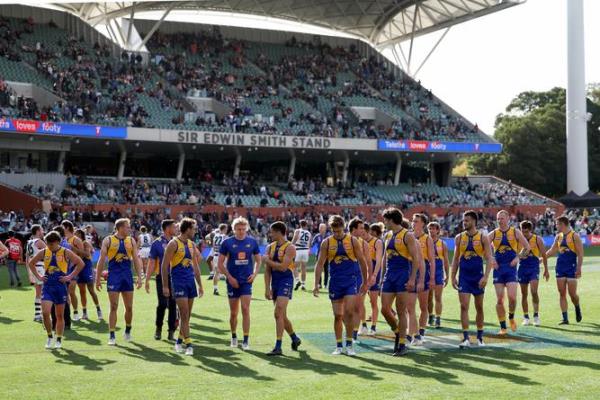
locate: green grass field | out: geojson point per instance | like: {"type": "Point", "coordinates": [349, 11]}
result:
{"type": "Point", "coordinates": [544, 362]}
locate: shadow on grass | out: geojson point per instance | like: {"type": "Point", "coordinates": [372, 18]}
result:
{"type": "Point", "coordinates": [73, 334]}
{"type": "Point", "coordinates": [8, 320]}
{"type": "Point", "coordinates": [69, 357]}
{"type": "Point", "coordinates": [226, 362]}
{"type": "Point", "coordinates": [145, 353]}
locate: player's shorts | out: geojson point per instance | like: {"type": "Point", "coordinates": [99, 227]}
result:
{"type": "Point", "coordinates": [302, 255]}
{"type": "Point", "coordinates": [86, 275]}
{"type": "Point", "coordinates": [144, 252]}
{"type": "Point", "coordinates": [505, 274]}
{"type": "Point", "coordinates": [566, 270]}
{"type": "Point", "coordinates": [184, 288]}
{"type": "Point", "coordinates": [395, 280]}
{"type": "Point", "coordinates": [340, 288]}
{"type": "Point", "coordinates": [528, 274]}
{"type": "Point", "coordinates": [211, 253]}
{"type": "Point", "coordinates": [41, 271]}
{"type": "Point", "coordinates": [283, 287]}
{"type": "Point", "coordinates": [470, 285]}
{"type": "Point", "coordinates": [439, 273]}
{"type": "Point", "coordinates": [245, 289]}
{"type": "Point", "coordinates": [119, 281]}
{"type": "Point", "coordinates": [426, 281]}
{"type": "Point", "coordinates": [56, 293]}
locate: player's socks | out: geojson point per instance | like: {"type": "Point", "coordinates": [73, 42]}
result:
{"type": "Point", "coordinates": [536, 314]}
{"type": "Point", "coordinates": [233, 335]}
{"type": "Point", "coordinates": [408, 339]}
{"type": "Point", "coordinates": [479, 334]}
{"type": "Point", "coordinates": [246, 336]}
{"type": "Point", "coordinates": [565, 317]}
{"type": "Point", "coordinates": [128, 330]}
{"type": "Point", "coordinates": [503, 324]}
{"type": "Point", "coordinates": [111, 334]}
{"type": "Point", "coordinates": [339, 344]}
{"type": "Point", "coordinates": [374, 328]}
{"type": "Point", "coordinates": [59, 339]}
{"type": "Point", "coordinates": [431, 319]}
{"type": "Point", "coordinates": [511, 315]}
{"type": "Point", "coordinates": [278, 344]}
{"type": "Point", "coordinates": [422, 332]}
{"type": "Point", "coordinates": [578, 316]}
{"type": "Point", "coordinates": [355, 334]}
{"type": "Point", "coordinates": [349, 342]}
{"type": "Point", "coordinates": [180, 340]}
{"type": "Point", "coordinates": [38, 308]}
{"type": "Point", "coordinates": [187, 342]}
{"type": "Point", "coordinates": [465, 335]}
{"type": "Point", "coordinates": [364, 324]}
{"type": "Point", "coordinates": [438, 321]}
{"type": "Point", "coordinates": [526, 316]}
{"type": "Point", "coordinates": [294, 337]}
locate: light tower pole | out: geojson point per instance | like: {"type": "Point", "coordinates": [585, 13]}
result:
{"type": "Point", "coordinates": [577, 154]}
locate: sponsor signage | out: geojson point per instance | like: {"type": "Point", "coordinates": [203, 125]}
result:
{"type": "Point", "coordinates": [423, 146]}
{"type": "Point", "coordinates": [61, 129]}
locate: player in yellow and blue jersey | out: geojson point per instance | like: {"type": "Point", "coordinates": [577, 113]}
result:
{"type": "Point", "coordinates": [471, 248]}
{"type": "Point", "coordinates": [85, 279]}
{"type": "Point", "coordinates": [416, 329]}
{"type": "Point", "coordinates": [121, 251]}
{"type": "Point", "coordinates": [509, 245]}
{"type": "Point", "coordinates": [239, 262]}
{"type": "Point", "coordinates": [569, 247]}
{"type": "Point", "coordinates": [181, 263]}
{"type": "Point", "coordinates": [346, 261]}
{"type": "Point", "coordinates": [56, 261]}
{"type": "Point", "coordinates": [400, 276]}
{"type": "Point", "coordinates": [442, 273]}
{"type": "Point", "coordinates": [529, 272]}
{"type": "Point", "coordinates": [76, 246]}
{"type": "Point", "coordinates": [375, 255]}
{"type": "Point", "coordinates": [279, 283]}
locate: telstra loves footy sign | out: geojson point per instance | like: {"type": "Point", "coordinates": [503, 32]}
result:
{"type": "Point", "coordinates": [61, 129]}
{"type": "Point", "coordinates": [423, 146]}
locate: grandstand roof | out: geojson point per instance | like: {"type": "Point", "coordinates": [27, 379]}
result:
{"type": "Point", "coordinates": [379, 22]}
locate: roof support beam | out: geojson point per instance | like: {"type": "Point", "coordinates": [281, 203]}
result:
{"type": "Point", "coordinates": [412, 36]}
{"type": "Point", "coordinates": [431, 52]}
{"type": "Point", "coordinates": [131, 16]}
{"type": "Point", "coordinates": [156, 25]}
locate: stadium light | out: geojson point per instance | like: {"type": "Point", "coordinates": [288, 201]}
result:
{"type": "Point", "coordinates": [31, 138]}
{"type": "Point", "coordinates": [107, 143]}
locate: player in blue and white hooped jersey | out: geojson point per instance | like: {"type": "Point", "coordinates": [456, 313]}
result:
{"type": "Point", "coordinates": [34, 245]}
{"type": "Point", "coordinates": [144, 242]}
{"type": "Point", "coordinates": [301, 240]}
{"type": "Point", "coordinates": [218, 237]}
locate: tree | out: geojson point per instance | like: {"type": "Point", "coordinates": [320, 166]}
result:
{"type": "Point", "coordinates": [533, 135]}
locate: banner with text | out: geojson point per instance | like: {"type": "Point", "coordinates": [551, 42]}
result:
{"type": "Point", "coordinates": [61, 129]}
{"type": "Point", "coordinates": [423, 146]}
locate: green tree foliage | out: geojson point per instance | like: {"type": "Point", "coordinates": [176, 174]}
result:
{"type": "Point", "coordinates": [533, 135]}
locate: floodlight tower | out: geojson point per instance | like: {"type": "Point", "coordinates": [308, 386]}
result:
{"type": "Point", "coordinates": [577, 153]}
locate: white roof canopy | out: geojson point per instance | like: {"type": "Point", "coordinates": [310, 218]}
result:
{"type": "Point", "coordinates": [378, 22]}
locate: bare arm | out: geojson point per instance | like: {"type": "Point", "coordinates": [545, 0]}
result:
{"type": "Point", "coordinates": [525, 248]}
{"type": "Point", "coordinates": [414, 251]}
{"type": "Point", "coordinates": [295, 237]}
{"type": "Point", "coordinates": [166, 264]}
{"type": "Point", "coordinates": [455, 263]}
{"type": "Point", "coordinates": [78, 247]}
{"type": "Point", "coordinates": [553, 249]}
{"type": "Point", "coordinates": [579, 251]}
{"type": "Point", "coordinates": [3, 250]}
{"type": "Point", "coordinates": [87, 250]}
{"type": "Point", "coordinates": [196, 266]}
{"type": "Point", "coordinates": [362, 261]}
{"type": "Point", "coordinates": [101, 262]}
{"type": "Point", "coordinates": [489, 258]}
{"type": "Point", "coordinates": [540, 244]}
{"type": "Point", "coordinates": [137, 263]}
{"type": "Point", "coordinates": [319, 266]}
{"type": "Point", "coordinates": [445, 262]}
{"type": "Point", "coordinates": [75, 260]}
{"type": "Point", "coordinates": [431, 256]}
{"type": "Point", "coordinates": [378, 257]}
{"type": "Point", "coordinates": [267, 276]}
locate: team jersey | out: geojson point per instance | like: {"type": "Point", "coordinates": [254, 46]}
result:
{"type": "Point", "coordinates": [471, 252]}
{"type": "Point", "coordinates": [422, 240]}
{"type": "Point", "coordinates": [373, 249]}
{"type": "Point", "coordinates": [438, 248]}
{"type": "Point", "coordinates": [340, 254]}
{"type": "Point", "coordinates": [181, 263]}
{"type": "Point", "coordinates": [533, 258]}
{"type": "Point", "coordinates": [505, 245]}
{"type": "Point", "coordinates": [217, 240]}
{"type": "Point", "coordinates": [157, 251]}
{"type": "Point", "coordinates": [303, 239]}
{"type": "Point", "coordinates": [567, 253]}
{"type": "Point", "coordinates": [277, 252]}
{"type": "Point", "coordinates": [318, 239]}
{"type": "Point", "coordinates": [396, 250]}
{"type": "Point", "coordinates": [120, 253]}
{"type": "Point", "coordinates": [145, 240]}
{"type": "Point", "coordinates": [32, 249]}
{"type": "Point", "coordinates": [239, 255]}
{"type": "Point", "coordinates": [55, 265]}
